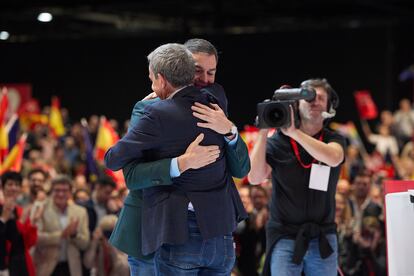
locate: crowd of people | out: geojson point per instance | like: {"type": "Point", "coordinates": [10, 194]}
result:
{"type": "Point", "coordinates": [47, 228]}
{"type": "Point", "coordinates": [57, 216]}
{"type": "Point", "coordinates": [359, 203]}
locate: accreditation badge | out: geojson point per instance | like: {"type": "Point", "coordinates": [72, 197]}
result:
{"type": "Point", "coordinates": [319, 177]}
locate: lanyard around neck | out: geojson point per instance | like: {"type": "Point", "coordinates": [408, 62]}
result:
{"type": "Point", "coordinates": [296, 150]}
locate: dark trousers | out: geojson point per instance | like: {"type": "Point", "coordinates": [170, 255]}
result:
{"type": "Point", "coordinates": [62, 269]}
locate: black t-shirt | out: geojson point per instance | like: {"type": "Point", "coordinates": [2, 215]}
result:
{"type": "Point", "coordinates": [293, 202]}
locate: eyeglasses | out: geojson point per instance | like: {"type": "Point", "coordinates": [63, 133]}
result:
{"type": "Point", "coordinates": [37, 179]}
{"type": "Point", "coordinates": [60, 190]}
{"type": "Point", "coordinates": [362, 182]}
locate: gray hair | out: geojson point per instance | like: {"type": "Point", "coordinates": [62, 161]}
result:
{"type": "Point", "coordinates": [199, 45]}
{"type": "Point", "coordinates": [174, 62]}
{"type": "Point", "coordinates": [63, 180]}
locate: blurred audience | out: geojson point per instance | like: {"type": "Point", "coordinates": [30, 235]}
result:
{"type": "Point", "coordinates": [72, 210]}
{"type": "Point", "coordinates": [250, 235]}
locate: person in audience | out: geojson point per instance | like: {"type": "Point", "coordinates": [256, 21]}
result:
{"type": "Point", "coordinates": [101, 257]}
{"type": "Point", "coordinates": [97, 206]}
{"type": "Point", "coordinates": [344, 188]}
{"type": "Point", "coordinates": [361, 200]}
{"type": "Point", "coordinates": [63, 233]}
{"type": "Point", "coordinates": [37, 182]}
{"type": "Point", "coordinates": [81, 196]}
{"type": "Point", "coordinates": [17, 231]}
{"type": "Point", "coordinates": [404, 122]}
{"type": "Point", "coordinates": [384, 142]}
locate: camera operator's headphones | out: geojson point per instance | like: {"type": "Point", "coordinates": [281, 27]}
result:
{"type": "Point", "coordinates": [333, 98]}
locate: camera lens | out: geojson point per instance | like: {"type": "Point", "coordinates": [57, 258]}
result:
{"type": "Point", "coordinates": [276, 115]}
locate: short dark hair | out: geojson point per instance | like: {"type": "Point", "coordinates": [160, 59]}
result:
{"type": "Point", "coordinates": [61, 179]}
{"type": "Point", "coordinates": [105, 181]}
{"type": "Point", "coordinates": [260, 189]}
{"type": "Point", "coordinates": [75, 194]}
{"type": "Point", "coordinates": [199, 45]}
{"type": "Point", "coordinates": [9, 175]}
{"type": "Point", "coordinates": [362, 172]}
{"type": "Point", "coordinates": [37, 170]}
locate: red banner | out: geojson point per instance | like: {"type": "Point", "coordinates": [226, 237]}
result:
{"type": "Point", "coordinates": [18, 94]}
{"type": "Point", "coordinates": [365, 105]}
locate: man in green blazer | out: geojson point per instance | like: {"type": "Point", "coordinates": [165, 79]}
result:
{"type": "Point", "coordinates": [127, 233]}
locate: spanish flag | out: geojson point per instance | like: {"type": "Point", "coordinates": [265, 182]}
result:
{"type": "Point", "coordinates": [14, 159]}
{"type": "Point", "coordinates": [30, 116]}
{"type": "Point", "coordinates": [4, 136]}
{"type": "Point", "coordinates": [105, 139]}
{"type": "Point", "coordinates": [29, 121]}
{"type": "Point", "coordinates": [55, 119]}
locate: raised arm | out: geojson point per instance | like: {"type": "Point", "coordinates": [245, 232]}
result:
{"type": "Point", "coordinates": [331, 153]}
{"type": "Point", "coordinates": [260, 169]}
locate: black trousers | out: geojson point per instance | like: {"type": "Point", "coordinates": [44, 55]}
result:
{"type": "Point", "coordinates": [62, 269]}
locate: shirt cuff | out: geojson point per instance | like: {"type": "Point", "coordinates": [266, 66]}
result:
{"type": "Point", "coordinates": [174, 171]}
{"type": "Point", "coordinates": [231, 143]}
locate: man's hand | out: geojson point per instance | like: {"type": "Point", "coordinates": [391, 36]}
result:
{"type": "Point", "coordinates": [38, 212]}
{"type": "Point", "coordinates": [291, 130]}
{"type": "Point", "coordinates": [150, 96]}
{"type": "Point", "coordinates": [213, 116]}
{"type": "Point", "coordinates": [71, 229]}
{"type": "Point", "coordinates": [197, 156]}
{"type": "Point", "coordinates": [97, 234]}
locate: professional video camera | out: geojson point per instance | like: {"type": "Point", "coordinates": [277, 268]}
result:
{"type": "Point", "coordinates": [276, 112]}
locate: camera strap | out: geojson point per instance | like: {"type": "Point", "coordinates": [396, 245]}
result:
{"type": "Point", "coordinates": [296, 150]}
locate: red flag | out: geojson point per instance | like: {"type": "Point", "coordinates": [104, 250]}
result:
{"type": "Point", "coordinates": [31, 106]}
{"type": "Point", "coordinates": [365, 105]}
{"type": "Point", "coordinates": [4, 137]}
{"type": "Point", "coordinates": [18, 93]}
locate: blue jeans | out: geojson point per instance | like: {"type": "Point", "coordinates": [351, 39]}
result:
{"type": "Point", "coordinates": [214, 256]}
{"type": "Point", "coordinates": [312, 264]}
{"type": "Point", "coordinates": [140, 267]}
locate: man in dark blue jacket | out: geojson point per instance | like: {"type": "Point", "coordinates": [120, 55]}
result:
{"type": "Point", "coordinates": [200, 201]}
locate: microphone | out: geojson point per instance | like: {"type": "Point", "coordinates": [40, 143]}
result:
{"type": "Point", "coordinates": [328, 115]}
{"type": "Point", "coordinates": [293, 94]}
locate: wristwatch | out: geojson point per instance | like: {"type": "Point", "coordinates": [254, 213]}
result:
{"type": "Point", "coordinates": [233, 131]}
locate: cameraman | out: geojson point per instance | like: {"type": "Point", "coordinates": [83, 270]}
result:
{"type": "Point", "coordinates": [301, 232]}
